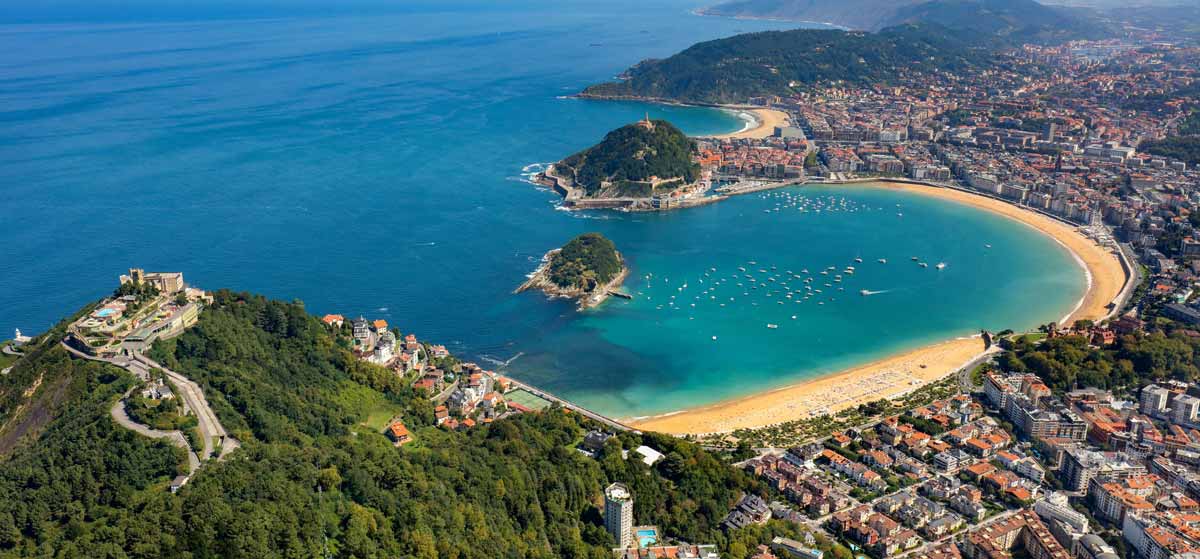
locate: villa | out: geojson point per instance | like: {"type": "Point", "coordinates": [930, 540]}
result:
{"type": "Point", "coordinates": [399, 434]}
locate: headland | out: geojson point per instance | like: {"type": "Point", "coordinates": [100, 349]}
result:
{"type": "Point", "coordinates": [897, 375]}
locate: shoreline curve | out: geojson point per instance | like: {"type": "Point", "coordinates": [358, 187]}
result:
{"type": "Point", "coordinates": [899, 374]}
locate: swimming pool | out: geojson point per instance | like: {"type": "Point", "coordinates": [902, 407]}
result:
{"type": "Point", "coordinates": [647, 536]}
{"type": "Point", "coordinates": [105, 313]}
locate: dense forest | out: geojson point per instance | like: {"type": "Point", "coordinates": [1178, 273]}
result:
{"type": "Point", "coordinates": [585, 262]}
{"type": "Point", "coordinates": [735, 69]}
{"type": "Point", "coordinates": [311, 476]}
{"type": "Point", "coordinates": [634, 153]}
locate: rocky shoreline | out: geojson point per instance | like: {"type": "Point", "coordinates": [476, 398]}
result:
{"type": "Point", "coordinates": [540, 281]}
{"type": "Point", "coordinates": [573, 198]}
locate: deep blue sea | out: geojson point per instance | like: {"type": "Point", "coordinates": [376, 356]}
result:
{"type": "Point", "coordinates": [369, 159]}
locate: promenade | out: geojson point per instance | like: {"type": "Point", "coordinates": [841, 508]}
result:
{"type": "Point", "coordinates": [567, 404]}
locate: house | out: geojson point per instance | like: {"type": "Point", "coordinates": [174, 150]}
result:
{"type": "Point", "coordinates": [178, 483]}
{"type": "Point", "coordinates": [440, 415]}
{"type": "Point", "coordinates": [398, 433]}
{"type": "Point", "coordinates": [333, 320]}
{"type": "Point", "coordinates": [593, 442]}
{"type": "Point", "coordinates": [877, 458]}
{"type": "Point", "coordinates": [750, 509]}
{"type": "Point", "coordinates": [361, 329]}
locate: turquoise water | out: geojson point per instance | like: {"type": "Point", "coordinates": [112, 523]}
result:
{"type": "Point", "coordinates": [369, 161]}
{"type": "Point", "coordinates": [657, 352]}
{"type": "Point", "coordinates": [647, 537]}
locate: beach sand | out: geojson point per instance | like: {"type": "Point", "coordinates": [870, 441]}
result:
{"type": "Point", "coordinates": [765, 122]}
{"type": "Point", "coordinates": [900, 374]}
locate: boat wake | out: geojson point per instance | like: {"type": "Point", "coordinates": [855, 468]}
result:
{"type": "Point", "coordinates": [500, 362]}
{"type": "Point", "coordinates": [866, 292]}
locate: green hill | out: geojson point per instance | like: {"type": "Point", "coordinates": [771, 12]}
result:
{"type": "Point", "coordinates": [636, 160]}
{"type": "Point", "coordinates": [311, 477]}
{"type": "Point", "coordinates": [737, 68]}
{"type": "Point", "coordinates": [585, 262]}
{"type": "Point", "coordinates": [1009, 21]}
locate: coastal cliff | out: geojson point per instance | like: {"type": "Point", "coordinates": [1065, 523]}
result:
{"type": "Point", "coordinates": [588, 268]}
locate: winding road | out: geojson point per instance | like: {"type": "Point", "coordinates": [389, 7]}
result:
{"type": "Point", "coordinates": [174, 437]}
{"type": "Point", "coordinates": [210, 428]}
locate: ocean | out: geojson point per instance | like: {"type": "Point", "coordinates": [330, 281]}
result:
{"type": "Point", "coordinates": [372, 160]}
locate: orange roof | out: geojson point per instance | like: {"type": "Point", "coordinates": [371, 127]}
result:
{"type": "Point", "coordinates": [398, 430]}
{"type": "Point", "coordinates": [981, 468]}
{"type": "Point", "coordinates": [331, 318]}
{"type": "Point", "coordinates": [380, 324]}
{"type": "Point", "coordinates": [1020, 493]}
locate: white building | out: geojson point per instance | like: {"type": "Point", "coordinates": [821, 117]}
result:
{"type": "Point", "coordinates": [1154, 399]}
{"type": "Point", "coordinates": [1184, 409]}
{"type": "Point", "coordinates": [1057, 507]}
{"type": "Point", "coordinates": [618, 514]}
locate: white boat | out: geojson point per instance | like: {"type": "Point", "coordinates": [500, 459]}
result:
{"type": "Point", "coordinates": [923, 265]}
{"type": "Point", "coordinates": [883, 260]}
{"type": "Point", "coordinates": [864, 293]}
{"type": "Point", "coordinates": [858, 259]}
{"type": "Point", "coordinates": [914, 259]}
{"type": "Point", "coordinates": [941, 265]}
{"type": "Point", "coordinates": [772, 326]}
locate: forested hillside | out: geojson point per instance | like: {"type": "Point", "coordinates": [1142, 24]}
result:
{"type": "Point", "coordinates": [631, 155]}
{"type": "Point", "coordinates": [734, 69]}
{"type": "Point", "coordinates": [585, 262]}
{"type": "Point", "coordinates": [311, 476]}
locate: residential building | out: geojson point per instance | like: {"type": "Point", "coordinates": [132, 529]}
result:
{"type": "Point", "coordinates": [618, 514]}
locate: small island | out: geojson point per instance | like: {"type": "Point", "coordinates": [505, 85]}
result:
{"type": "Point", "coordinates": [587, 268]}
{"type": "Point", "coordinates": [646, 166]}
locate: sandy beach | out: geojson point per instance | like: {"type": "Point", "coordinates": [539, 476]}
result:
{"type": "Point", "coordinates": [899, 374]}
{"type": "Point", "coordinates": [765, 121]}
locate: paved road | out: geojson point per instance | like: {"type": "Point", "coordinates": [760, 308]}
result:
{"type": "Point", "coordinates": [174, 437]}
{"type": "Point", "coordinates": [189, 392]}
{"type": "Point", "coordinates": [8, 348]}
{"type": "Point", "coordinates": [210, 427]}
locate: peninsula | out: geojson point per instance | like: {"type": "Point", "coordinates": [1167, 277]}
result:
{"type": "Point", "coordinates": [587, 268]}
{"type": "Point", "coordinates": [645, 166]}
